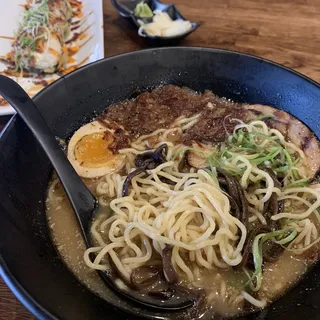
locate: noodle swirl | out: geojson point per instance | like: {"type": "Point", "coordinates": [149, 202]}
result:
{"type": "Point", "coordinates": [192, 213]}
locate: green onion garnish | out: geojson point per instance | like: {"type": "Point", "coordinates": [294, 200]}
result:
{"type": "Point", "coordinates": [285, 236]}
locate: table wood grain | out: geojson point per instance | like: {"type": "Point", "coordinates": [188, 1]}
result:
{"type": "Point", "coordinates": [285, 31]}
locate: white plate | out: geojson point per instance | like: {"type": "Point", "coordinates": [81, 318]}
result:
{"type": "Point", "coordinates": [91, 47]}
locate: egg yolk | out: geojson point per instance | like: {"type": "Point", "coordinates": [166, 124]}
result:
{"type": "Point", "coordinates": [92, 150]}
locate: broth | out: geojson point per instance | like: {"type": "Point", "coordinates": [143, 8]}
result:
{"type": "Point", "coordinates": [66, 236]}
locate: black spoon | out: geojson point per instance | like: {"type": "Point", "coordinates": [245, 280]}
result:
{"type": "Point", "coordinates": [83, 202]}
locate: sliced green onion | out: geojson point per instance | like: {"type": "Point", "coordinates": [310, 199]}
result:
{"type": "Point", "coordinates": [281, 169]}
{"type": "Point", "coordinates": [287, 239]}
{"type": "Point", "coordinates": [298, 184]}
{"type": "Point", "coordinates": [257, 260]}
{"type": "Point", "coordinates": [258, 241]}
{"type": "Point", "coordinates": [268, 157]}
{"type": "Point", "coordinates": [272, 154]}
{"type": "Point", "coordinates": [288, 157]}
{"type": "Point", "coordinates": [240, 136]}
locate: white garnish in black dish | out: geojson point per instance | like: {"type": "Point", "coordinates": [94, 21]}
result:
{"type": "Point", "coordinates": [163, 26]}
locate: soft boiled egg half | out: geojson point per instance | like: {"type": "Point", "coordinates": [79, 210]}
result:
{"type": "Point", "coordinates": [89, 154]}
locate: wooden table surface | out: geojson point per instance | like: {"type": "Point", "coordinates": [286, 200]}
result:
{"type": "Point", "coordinates": [285, 31]}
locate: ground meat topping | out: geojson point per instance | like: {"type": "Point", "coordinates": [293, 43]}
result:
{"type": "Point", "coordinates": [159, 108]}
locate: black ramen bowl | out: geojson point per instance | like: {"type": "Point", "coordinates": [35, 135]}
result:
{"type": "Point", "coordinates": [30, 265]}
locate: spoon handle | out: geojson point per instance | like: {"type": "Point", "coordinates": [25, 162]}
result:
{"type": "Point", "coordinates": [82, 201]}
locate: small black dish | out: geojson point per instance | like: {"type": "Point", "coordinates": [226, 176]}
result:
{"type": "Point", "coordinates": [126, 10]}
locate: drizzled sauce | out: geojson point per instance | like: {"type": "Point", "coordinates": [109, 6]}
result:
{"type": "Point", "coordinates": [72, 46]}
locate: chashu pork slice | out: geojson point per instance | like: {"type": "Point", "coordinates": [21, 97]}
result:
{"type": "Point", "coordinates": [293, 130]}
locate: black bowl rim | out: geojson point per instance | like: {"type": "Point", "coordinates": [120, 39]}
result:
{"type": "Point", "coordinates": [20, 292]}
